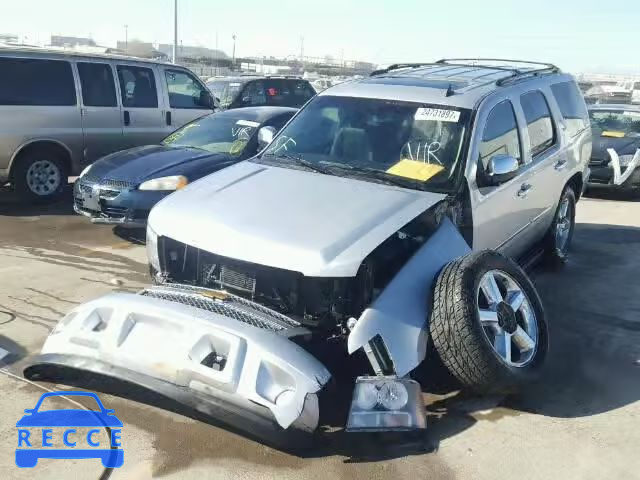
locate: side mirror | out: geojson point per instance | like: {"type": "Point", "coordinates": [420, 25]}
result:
{"type": "Point", "coordinates": [265, 136]}
{"type": "Point", "coordinates": [502, 168]}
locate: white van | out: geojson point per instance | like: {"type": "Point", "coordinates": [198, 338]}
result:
{"type": "Point", "coordinates": [59, 112]}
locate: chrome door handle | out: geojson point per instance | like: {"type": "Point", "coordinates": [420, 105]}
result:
{"type": "Point", "coordinates": [524, 190]}
{"type": "Point", "coordinates": [560, 165]}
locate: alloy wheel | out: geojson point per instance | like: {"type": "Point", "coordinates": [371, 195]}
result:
{"type": "Point", "coordinates": [507, 318]}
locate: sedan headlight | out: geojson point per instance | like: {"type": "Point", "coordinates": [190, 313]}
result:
{"type": "Point", "coordinates": [625, 160]}
{"type": "Point", "coordinates": [174, 182]}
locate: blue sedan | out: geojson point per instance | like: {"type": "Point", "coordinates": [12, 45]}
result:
{"type": "Point", "coordinates": [121, 188]}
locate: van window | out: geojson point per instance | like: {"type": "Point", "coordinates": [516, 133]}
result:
{"type": "Point", "coordinates": [572, 106]}
{"type": "Point", "coordinates": [98, 87]}
{"type": "Point", "coordinates": [500, 134]}
{"type": "Point", "coordinates": [137, 87]}
{"type": "Point", "coordinates": [539, 125]}
{"type": "Point", "coordinates": [185, 91]}
{"type": "Point", "coordinates": [27, 81]}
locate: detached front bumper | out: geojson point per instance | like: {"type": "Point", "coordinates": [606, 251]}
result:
{"type": "Point", "coordinates": [209, 350]}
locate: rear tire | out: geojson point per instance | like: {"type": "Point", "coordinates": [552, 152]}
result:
{"type": "Point", "coordinates": [472, 332]}
{"type": "Point", "coordinates": [558, 239]}
{"type": "Point", "coordinates": [40, 176]}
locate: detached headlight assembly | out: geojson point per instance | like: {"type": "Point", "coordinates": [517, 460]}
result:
{"type": "Point", "coordinates": [174, 182]}
{"type": "Point", "coordinates": [386, 403]}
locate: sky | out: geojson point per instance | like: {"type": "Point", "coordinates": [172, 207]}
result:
{"type": "Point", "coordinates": [580, 36]}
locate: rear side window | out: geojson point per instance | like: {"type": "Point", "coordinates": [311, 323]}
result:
{"type": "Point", "coordinates": [539, 124]}
{"type": "Point", "coordinates": [287, 93]}
{"type": "Point", "coordinates": [572, 106]}
{"type": "Point", "coordinates": [137, 87]}
{"type": "Point", "coordinates": [26, 81]}
{"type": "Point", "coordinates": [253, 94]}
{"type": "Point", "coordinates": [500, 134]}
{"type": "Point", "coordinates": [98, 87]}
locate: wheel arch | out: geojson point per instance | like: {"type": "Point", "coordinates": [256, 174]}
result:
{"type": "Point", "coordinates": [40, 144]}
{"type": "Point", "coordinates": [576, 183]}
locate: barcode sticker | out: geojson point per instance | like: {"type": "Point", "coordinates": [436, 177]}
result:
{"type": "Point", "coordinates": [437, 114]}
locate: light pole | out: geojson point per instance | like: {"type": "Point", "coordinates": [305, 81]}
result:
{"type": "Point", "coordinates": [126, 37]}
{"type": "Point", "coordinates": [175, 31]}
{"type": "Point", "coordinates": [233, 54]}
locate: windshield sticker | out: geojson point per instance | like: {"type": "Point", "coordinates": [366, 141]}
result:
{"type": "Point", "coordinates": [233, 84]}
{"type": "Point", "coordinates": [238, 146]}
{"type": "Point", "coordinates": [608, 133]}
{"type": "Point", "coordinates": [422, 151]}
{"type": "Point", "coordinates": [415, 170]}
{"type": "Point", "coordinates": [180, 133]}
{"type": "Point", "coordinates": [437, 114]}
{"type": "Point", "coordinates": [248, 123]}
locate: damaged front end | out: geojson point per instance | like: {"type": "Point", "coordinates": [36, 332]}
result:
{"type": "Point", "coordinates": [217, 353]}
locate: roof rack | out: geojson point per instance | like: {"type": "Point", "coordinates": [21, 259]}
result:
{"type": "Point", "coordinates": [514, 73]}
{"type": "Point", "coordinates": [533, 69]}
{"type": "Point", "coordinates": [397, 66]}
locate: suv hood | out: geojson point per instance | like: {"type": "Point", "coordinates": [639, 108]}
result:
{"type": "Point", "coordinates": [319, 225]}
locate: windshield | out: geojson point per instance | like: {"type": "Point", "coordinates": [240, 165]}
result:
{"type": "Point", "coordinates": [216, 133]}
{"type": "Point", "coordinates": [224, 90]}
{"type": "Point", "coordinates": [615, 122]}
{"type": "Point", "coordinates": [411, 144]}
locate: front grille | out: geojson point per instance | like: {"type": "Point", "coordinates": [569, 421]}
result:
{"type": "Point", "coordinates": [232, 306]}
{"type": "Point", "coordinates": [234, 278]}
{"type": "Point", "coordinates": [109, 188]}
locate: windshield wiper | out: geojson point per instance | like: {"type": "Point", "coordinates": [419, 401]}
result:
{"type": "Point", "coordinates": [377, 174]}
{"type": "Point", "coordinates": [299, 161]}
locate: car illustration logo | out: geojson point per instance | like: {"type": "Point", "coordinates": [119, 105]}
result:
{"type": "Point", "coordinates": [36, 433]}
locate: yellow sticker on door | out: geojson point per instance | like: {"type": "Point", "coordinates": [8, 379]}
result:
{"type": "Point", "coordinates": [415, 170]}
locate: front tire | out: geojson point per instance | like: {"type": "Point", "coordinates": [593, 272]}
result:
{"type": "Point", "coordinates": [40, 176]}
{"type": "Point", "coordinates": [487, 324]}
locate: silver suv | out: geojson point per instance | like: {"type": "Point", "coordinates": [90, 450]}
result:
{"type": "Point", "coordinates": [385, 215]}
{"type": "Point", "coordinates": [60, 112]}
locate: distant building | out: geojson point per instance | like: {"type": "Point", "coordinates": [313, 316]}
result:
{"type": "Point", "coordinates": [136, 48]}
{"type": "Point", "coordinates": [71, 42]}
{"type": "Point", "coordinates": [193, 53]}
{"type": "Point", "coordinates": [9, 38]}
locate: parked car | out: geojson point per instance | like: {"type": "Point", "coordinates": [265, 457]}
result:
{"type": "Point", "coordinates": [254, 91]}
{"type": "Point", "coordinates": [59, 112]}
{"type": "Point", "coordinates": [616, 146]}
{"type": "Point", "coordinates": [385, 215]}
{"type": "Point", "coordinates": [122, 187]}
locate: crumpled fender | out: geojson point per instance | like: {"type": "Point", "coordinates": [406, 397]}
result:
{"type": "Point", "coordinates": [618, 177]}
{"type": "Point", "coordinates": [399, 315]}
